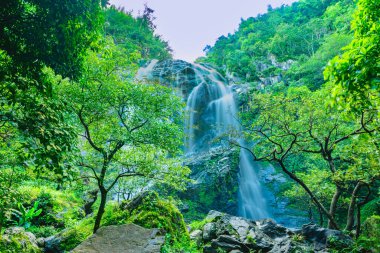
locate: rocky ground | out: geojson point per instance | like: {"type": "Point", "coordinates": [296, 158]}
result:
{"type": "Point", "coordinates": [223, 232]}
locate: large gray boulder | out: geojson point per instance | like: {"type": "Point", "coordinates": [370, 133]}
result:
{"type": "Point", "coordinates": [122, 239]}
{"type": "Point", "coordinates": [323, 238]}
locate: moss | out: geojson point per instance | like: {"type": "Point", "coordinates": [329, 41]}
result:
{"type": "Point", "coordinates": [77, 234]}
{"type": "Point", "coordinates": [298, 238]}
{"type": "Point", "coordinates": [17, 243]}
{"type": "Point", "coordinates": [154, 212]}
{"type": "Point", "coordinates": [199, 224]}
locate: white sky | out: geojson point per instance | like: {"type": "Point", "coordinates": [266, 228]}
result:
{"type": "Point", "coordinates": [190, 25]}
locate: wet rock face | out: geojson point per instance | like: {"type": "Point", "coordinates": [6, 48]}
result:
{"type": "Point", "coordinates": [125, 238]}
{"type": "Point", "coordinates": [217, 170]}
{"type": "Point", "coordinates": [179, 74]}
{"type": "Point", "coordinates": [236, 234]}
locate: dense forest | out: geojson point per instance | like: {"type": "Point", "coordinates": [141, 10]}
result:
{"type": "Point", "coordinates": [85, 145]}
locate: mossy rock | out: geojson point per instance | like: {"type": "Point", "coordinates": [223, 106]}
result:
{"type": "Point", "coordinates": [68, 239]}
{"type": "Point", "coordinates": [150, 211]}
{"type": "Point", "coordinates": [16, 240]}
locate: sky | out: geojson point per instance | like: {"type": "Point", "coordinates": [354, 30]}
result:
{"type": "Point", "coordinates": [191, 25]}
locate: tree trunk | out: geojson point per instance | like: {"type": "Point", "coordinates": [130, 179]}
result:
{"type": "Point", "coordinates": [311, 194]}
{"type": "Point", "coordinates": [334, 203]}
{"type": "Point", "coordinates": [1, 227]}
{"type": "Point", "coordinates": [103, 200]}
{"type": "Point", "coordinates": [351, 208]}
{"type": "Point", "coordinates": [321, 221]}
{"type": "Point", "coordinates": [358, 223]}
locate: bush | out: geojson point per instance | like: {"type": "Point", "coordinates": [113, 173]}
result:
{"type": "Point", "coordinates": [77, 234]}
{"type": "Point", "coordinates": [43, 231]}
{"type": "Point", "coordinates": [59, 208]}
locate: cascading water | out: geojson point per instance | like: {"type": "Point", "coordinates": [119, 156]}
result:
{"type": "Point", "coordinates": [212, 112]}
{"type": "Point", "coordinates": [223, 106]}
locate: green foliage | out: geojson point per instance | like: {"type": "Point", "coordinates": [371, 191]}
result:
{"type": "Point", "coordinates": [371, 233]}
{"type": "Point", "coordinates": [183, 244]}
{"type": "Point", "coordinates": [136, 35]}
{"type": "Point", "coordinates": [195, 225]}
{"type": "Point", "coordinates": [37, 40]}
{"type": "Point", "coordinates": [355, 74]}
{"type": "Point", "coordinates": [25, 216]}
{"type": "Point", "coordinates": [43, 231]}
{"type": "Point", "coordinates": [37, 33]}
{"type": "Point", "coordinates": [10, 179]}
{"type": "Point", "coordinates": [151, 212]}
{"type": "Point", "coordinates": [370, 209]}
{"type": "Point", "coordinates": [298, 238]}
{"type": "Point", "coordinates": [130, 129]}
{"type": "Point", "coordinates": [60, 208]}
{"type": "Point", "coordinates": [77, 234]}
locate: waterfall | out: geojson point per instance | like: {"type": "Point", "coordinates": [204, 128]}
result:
{"type": "Point", "coordinates": [222, 105]}
{"type": "Point", "coordinates": [211, 113]}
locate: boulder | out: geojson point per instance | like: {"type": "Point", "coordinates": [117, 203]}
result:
{"type": "Point", "coordinates": [286, 245]}
{"type": "Point", "coordinates": [214, 215]}
{"type": "Point", "coordinates": [323, 237]}
{"type": "Point", "coordinates": [122, 239]}
{"type": "Point", "coordinates": [52, 244]}
{"type": "Point", "coordinates": [257, 240]}
{"type": "Point", "coordinates": [228, 243]}
{"type": "Point", "coordinates": [272, 229]}
{"type": "Point", "coordinates": [196, 236]}
{"type": "Point", "coordinates": [209, 231]}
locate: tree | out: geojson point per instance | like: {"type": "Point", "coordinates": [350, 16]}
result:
{"type": "Point", "coordinates": [356, 73]}
{"type": "Point", "coordinates": [39, 39]}
{"type": "Point", "coordinates": [295, 126]}
{"type": "Point", "coordinates": [127, 129]}
{"type": "Point", "coordinates": [38, 33]}
{"type": "Point", "coordinates": [136, 35]}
